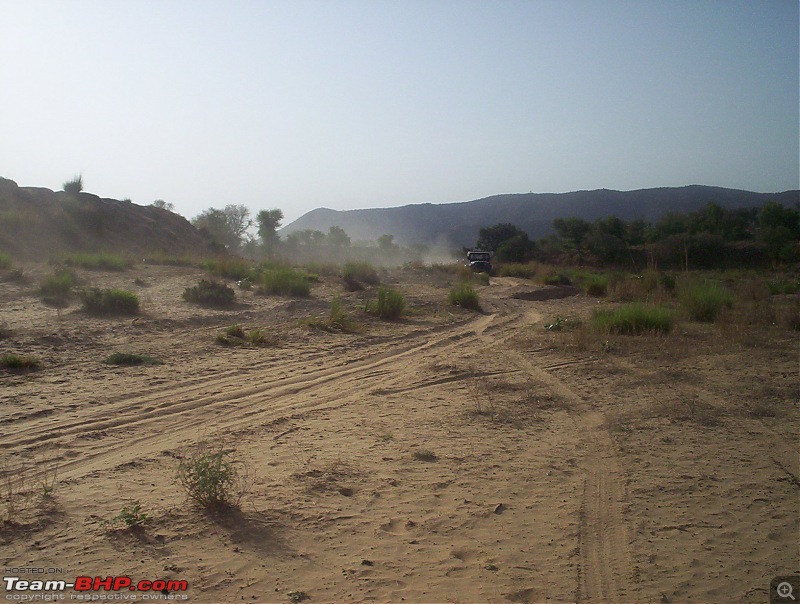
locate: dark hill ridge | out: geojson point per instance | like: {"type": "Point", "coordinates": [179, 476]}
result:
{"type": "Point", "coordinates": [36, 222]}
{"type": "Point", "coordinates": [458, 223]}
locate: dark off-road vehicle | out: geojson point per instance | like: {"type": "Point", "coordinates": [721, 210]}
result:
{"type": "Point", "coordinates": [479, 261]}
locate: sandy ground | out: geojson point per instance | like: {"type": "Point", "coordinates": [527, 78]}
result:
{"type": "Point", "coordinates": [451, 456]}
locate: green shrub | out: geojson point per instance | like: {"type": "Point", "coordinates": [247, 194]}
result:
{"type": "Point", "coordinates": [465, 296]}
{"type": "Point", "coordinates": [74, 186]}
{"type": "Point", "coordinates": [131, 359]}
{"type": "Point", "coordinates": [167, 260]}
{"type": "Point", "coordinates": [56, 289]}
{"type": "Point", "coordinates": [235, 335]}
{"type": "Point", "coordinates": [467, 275]}
{"type": "Point", "coordinates": [635, 318]}
{"type": "Point", "coordinates": [522, 270]}
{"type": "Point", "coordinates": [213, 479]}
{"type": "Point", "coordinates": [98, 301]}
{"type": "Point", "coordinates": [338, 319]}
{"type": "Point", "coordinates": [596, 285]}
{"type": "Point", "coordinates": [210, 293]}
{"type": "Point", "coordinates": [358, 274]}
{"type": "Point", "coordinates": [131, 516]}
{"type": "Point", "coordinates": [389, 304]}
{"type": "Point", "coordinates": [5, 261]}
{"type": "Point", "coordinates": [704, 301]}
{"type": "Point", "coordinates": [284, 281]}
{"type": "Point", "coordinates": [229, 267]}
{"type": "Point", "coordinates": [553, 277]}
{"type": "Point", "coordinates": [19, 362]}
{"type": "Point", "coordinates": [100, 261]}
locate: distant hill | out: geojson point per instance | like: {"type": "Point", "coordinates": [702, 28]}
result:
{"type": "Point", "coordinates": [458, 223]}
{"type": "Point", "coordinates": [37, 222]}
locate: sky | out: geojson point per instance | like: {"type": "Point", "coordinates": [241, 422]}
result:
{"type": "Point", "coordinates": [373, 103]}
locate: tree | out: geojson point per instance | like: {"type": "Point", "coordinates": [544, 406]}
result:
{"type": "Point", "coordinates": [269, 221]}
{"type": "Point", "coordinates": [516, 249]}
{"type": "Point", "coordinates": [164, 205]}
{"type": "Point", "coordinates": [227, 227]}
{"type": "Point", "coordinates": [491, 238]}
{"type": "Point", "coordinates": [572, 229]}
{"type": "Point", "coordinates": [337, 237]}
{"type": "Point", "coordinates": [779, 229]}
{"type": "Point", "coordinates": [386, 242]}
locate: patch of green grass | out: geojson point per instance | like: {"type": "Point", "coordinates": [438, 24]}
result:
{"type": "Point", "coordinates": [783, 286]}
{"type": "Point", "coordinates": [98, 301]}
{"type": "Point", "coordinates": [284, 281]}
{"type": "Point", "coordinates": [19, 362]}
{"type": "Point", "coordinates": [556, 278]}
{"type": "Point", "coordinates": [518, 269]}
{"type": "Point", "coordinates": [99, 262]}
{"type": "Point", "coordinates": [210, 293]}
{"type": "Point", "coordinates": [214, 478]}
{"type": "Point", "coordinates": [389, 304]}
{"type": "Point", "coordinates": [5, 261]}
{"type": "Point", "coordinates": [131, 359]}
{"type": "Point", "coordinates": [595, 285]}
{"type": "Point", "coordinates": [464, 295]}
{"type": "Point", "coordinates": [338, 319]}
{"type": "Point", "coordinates": [704, 301]}
{"type": "Point", "coordinates": [358, 274]}
{"type": "Point", "coordinates": [229, 267]}
{"type": "Point", "coordinates": [235, 335]}
{"type": "Point", "coordinates": [168, 260]}
{"type": "Point", "coordinates": [635, 318]}
{"type": "Point", "coordinates": [467, 275]}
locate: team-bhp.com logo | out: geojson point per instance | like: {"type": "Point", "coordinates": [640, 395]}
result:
{"type": "Point", "coordinates": [87, 588]}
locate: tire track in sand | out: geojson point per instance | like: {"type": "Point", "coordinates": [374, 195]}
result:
{"type": "Point", "coordinates": [605, 573]}
{"type": "Point", "coordinates": [226, 407]}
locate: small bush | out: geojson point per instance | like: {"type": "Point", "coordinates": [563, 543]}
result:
{"type": "Point", "coordinates": [358, 274]}
{"type": "Point", "coordinates": [98, 262]}
{"type": "Point", "coordinates": [467, 275]}
{"type": "Point", "coordinates": [524, 271]}
{"type": "Point", "coordinates": [704, 301]}
{"type": "Point", "coordinates": [390, 304]}
{"type": "Point", "coordinates": [57, 288]}
{"type": "Point", "coordinates": [284, 281]}
{"type": "Point", "coordinates": [74, 186]}
{"type": "Point", "coordinates": [210, 293]}
{"type": "Point", "coordinates": [635, 318]}
{"type": "Point", "coordinates": [98, 301]}
{"type": "Point", "coordinates": [235, 335]}
{"type": "Point", "coordinates": [131, 359]}
{"type": "Point", "coordinates": [596, 285]}
{"type": "Point", "coordinates": [19, 362]}
{"type": "Point", "coordinates": [5, 261]}
{"type": "Point", "coordinates": [556, 278]}
{"type": "Point", "coordinates": [131, 516]}
{"type": "Point", "coordinates": [465, 296]}
{"type": "Point", "coordinates": [214, 479]}
{"type": "Point", "coordinates": [229, 267]}
{"type": "Point", "coordinates": [338, 319]}
{"type": "Point", "coordinates": [167, 260]}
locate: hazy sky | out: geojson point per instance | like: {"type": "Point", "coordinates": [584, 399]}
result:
{"type": "Point", "coordinates": [352, 104]}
